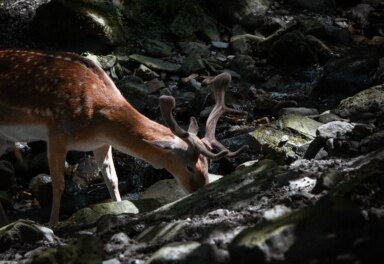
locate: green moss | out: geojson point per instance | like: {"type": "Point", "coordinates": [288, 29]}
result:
{"type": "Point", "coordinates": [86, 250]}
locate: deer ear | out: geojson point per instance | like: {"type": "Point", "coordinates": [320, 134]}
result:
{"type": "Point", "coordinates": [193, 126]}
{"type": "Point", "coordinates": [161, 144]}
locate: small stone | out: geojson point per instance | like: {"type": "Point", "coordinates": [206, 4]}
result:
{"type": "Point", "coordinates": [284, 139]}
{"type": "Point", "coordinates": [173, 253]}
{"type": "Point", "coordinates": [219, 44]}
{"type": "Point", "coordinates": [276, 212]}
{"type": "Point", "coordinates": [155, 64]}
{"type": "Point", "coordinates": [38, 181]}
{"type": "Point", "coordinates": [155, 85]}
{"type": "Point", "coordinates": [146, 73]}
{"type": "Point", "coordinates": [111, 261]}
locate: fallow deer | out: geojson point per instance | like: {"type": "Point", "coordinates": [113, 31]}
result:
{"type": "Point", "coordinates": [71, 103]}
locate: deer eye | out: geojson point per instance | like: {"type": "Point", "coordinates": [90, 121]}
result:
{"type": "Point", "coordinates": [190, 169]}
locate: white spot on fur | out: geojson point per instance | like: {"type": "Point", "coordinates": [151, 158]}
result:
{"type": "Point", "coordinates": [78, 110]}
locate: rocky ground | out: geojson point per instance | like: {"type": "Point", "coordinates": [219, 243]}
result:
{"type": "Point", "coordinates": [309, 189]}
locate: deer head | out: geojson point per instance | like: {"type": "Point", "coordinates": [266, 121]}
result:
{"type": "Point", "coordinates": [194, 153]}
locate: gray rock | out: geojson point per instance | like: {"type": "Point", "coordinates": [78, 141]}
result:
{"type": "Point", "coordinates": [25, 231]}
{"type": "Point", "coordinates": [188, 48]}
{"type": "Point", "coordinates": [329, 117]}
{"type": "Point", "coordinates": [157, 48]}
{"type": "Point", "coordinates": [107, 62]}
{"type": "Point", "coordinates": [88, 217]}
{"type": "Point", "coordinates": [155, 85]}
{"type": "Point", "coordinates": [145, 73]}
{"type": "Point", "coordinates": [359, 14]}
{"type": "Point", "coordinates": [303, 111]}
{"type": "Point", "coordinates": [86, 250]}
{"type": "Point", "coordinates": [368, 103]}
{"type": "Point", "coordinates": [162, 232]}
{"type": "Point", "coordinates": [168, 190]}
{"type": "Point", "coordinates": [117, 242]}
{"type": "Point", "coordinates": [300, 131]}
{"type": "Point", "coordinates": [111, 261]}
{"type": "Point", "coordinates": [335, 129]}
{"type": "Point", "coordinates": [193, 63]}
{"type": "Point", "coordinates": [186, 24]}
{"type": "Point", "coordinates": [236, 11]}
{"type": "Point", "coordinates": [302, 124]}
{"type": "Point", "coordinates": [173, 253]}
{"type": "Point", "coordinates": [328, 135]}
{"type": "Point", "coordinates": [208, 253]}
{"type": "Point", "coordinates": [372, 142]}
{"type": "Point", "coordinates": [321, 49]}
{"type": "Point", "coordinates": [163, 191]}
{"type": "Point", "coordinates": [36, 182]}
{"type": "Point", "coordinates": [245, 43]}
{"type": "Point", "coordinates": [283, 238]}
{"type": "Point", "coordinates": [262, 245]}
{"type": "Point", "coordinates": [155, 64]}
{"type": "Point", "coordinates": [245, 66]}
{"type": "Point", "coordinates": [276, 212]}
{"type": "Point", "coordinates": [220, 44]}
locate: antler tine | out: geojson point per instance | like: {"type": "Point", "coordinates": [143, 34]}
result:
{"type": "Point", "coordinates": [167, 103]}
{"type": "Point", "coordinates": [220, 82]}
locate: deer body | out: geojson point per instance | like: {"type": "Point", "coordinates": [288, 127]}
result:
{"type": "Point", "coordinates": [71, 103]}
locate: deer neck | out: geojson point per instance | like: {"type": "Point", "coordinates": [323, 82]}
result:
{"type": "Point", "coordinates": [127, 130]}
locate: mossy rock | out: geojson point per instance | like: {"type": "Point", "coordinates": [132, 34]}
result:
{"type": "Point", "coordinates": [94, 25]}
{"type": "Point", "coordinates": [88, 217]}
{"type": "Point", "coordinates": [367, 101]}
{"type": "Point", "coordinates": [24, 231]}
{"type": "Point", "coordinates": [298, 131]}
{"type": "Point", "coordinates": [84, 251]}
{"type": "Point", "coordinates": [292, 236]}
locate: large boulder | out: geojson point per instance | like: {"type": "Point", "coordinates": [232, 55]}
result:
{"type": "Point", "coordinates": [368, 103]}
{"type": "Point", "coordinates": [349, 74]}
{"type": "Point", "coordinates": [80, 24]}
{"type": "Point", "coordinates": [236, 11]}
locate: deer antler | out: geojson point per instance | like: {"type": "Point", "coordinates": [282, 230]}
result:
{"type": "Point", "coordinates": [220, 83]}
{"type": "Point", "coordinates": [167, 103]}
{"type": "Point", "coordinates": [209, 142]}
